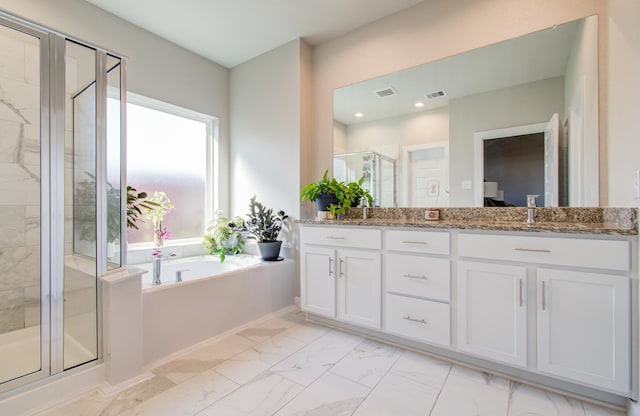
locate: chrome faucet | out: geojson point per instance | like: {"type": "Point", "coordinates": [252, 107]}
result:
{"type": "Point", "coordinates": [157, 269]}
{"type": "Point", "coordinates": [365, 207]}
{"type": "Point", "coordinates": [531, 208]}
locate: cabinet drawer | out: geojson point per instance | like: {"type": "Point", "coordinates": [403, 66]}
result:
{"type": "Point", "coordinates": [421, 320]}
{"type": "Point", "coordinates": [425, 277]}
{"type": "Point", "coordinates": [342, 237]}
{"type": "Point", "coordinates": [428, 242]}
{"type": "Point", "coordinates": [603, 254]}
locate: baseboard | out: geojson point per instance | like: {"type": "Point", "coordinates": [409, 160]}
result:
{"type": "Point", "coordinates": [108, 390]}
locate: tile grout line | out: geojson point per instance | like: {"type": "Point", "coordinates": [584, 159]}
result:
{"type": "Point", "coordinates": [371, 389]}
{"type": "Point", "coordinates": [435, 402]}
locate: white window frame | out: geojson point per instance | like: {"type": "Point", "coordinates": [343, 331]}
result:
{"type": "Point", "coordinates": [212, 176]}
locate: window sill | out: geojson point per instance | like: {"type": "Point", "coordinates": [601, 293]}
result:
{"type": "Point", "coordinates": [138, 253]}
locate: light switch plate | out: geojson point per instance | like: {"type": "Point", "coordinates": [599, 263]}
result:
{"type": "Point", "coordinates": [467, 184]}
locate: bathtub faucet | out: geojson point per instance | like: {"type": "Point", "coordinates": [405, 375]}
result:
{"type": "Point", "coordinates": [179, 274]}
{"type": "Point", "coordinates": [157, 269]}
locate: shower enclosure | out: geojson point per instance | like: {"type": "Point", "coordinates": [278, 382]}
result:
{"type": "Point", "coordinates": [62, 212]}
{"type": "Point", "coordinates": [379, 174]}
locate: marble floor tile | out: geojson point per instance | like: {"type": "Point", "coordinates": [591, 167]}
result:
{"type": "Point", "coordinates": [411, 387]}
{"type": "Point", "coordinates": [223, 349]}
{"type": "Point", "coordinates": [250, 363]}
{"type": "Point", "coordinates": [272, 327]}
{"type": "Point", "coordinates": [90, 405]}
{"type": "Point", "coordinates": [307, 332]}
{"type": "Point", "coordinates": [368, 362]}
{"type": "Point", "coordinates": [306, 365]}
{"type": "Point", "coordinates": [531, 401]}
{"type": "Point", "coordinates": [119, 404]}
{"type": "Point", "coordinates": [286, 366]}
{"type": "Point", "coordinates": [330, 395]}
{"type": "Point", "coordinates": [422, 369]}
{"type": "Point", "coordinates": [184, 368]}
{"type": "Point", "coordinates": [263, 396]}
{"type": "Point", "coordinates": [188, 398]}
{"type": "Point", "coordinates": [469, 392]}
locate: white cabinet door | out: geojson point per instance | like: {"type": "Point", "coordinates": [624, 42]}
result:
{"type": "Point", "coordinates": [318, 280]}
{"type": "Point", "coordinates": [359, 287]}
{"type": "Point", "coordinates": [583, 327]}
{"type": "Point", "coordinates": [492, 318]}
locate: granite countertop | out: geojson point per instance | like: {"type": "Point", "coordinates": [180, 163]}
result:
{"type": "Point", "coordinates": [607, 221]}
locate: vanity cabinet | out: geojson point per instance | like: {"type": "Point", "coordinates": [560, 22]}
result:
{"type": "Point", "coordinates": [418, 285]}
{"type": "Point", "coordinates": [492, 312]}
{"type": "Point", "coordinates": [555, 306]}
{"type": "Point", "coordinates": [582, 310]}
{"type": "Point", "coordinates": [341, 274]}
{"type": "Point", "coordinates": [583, 327]}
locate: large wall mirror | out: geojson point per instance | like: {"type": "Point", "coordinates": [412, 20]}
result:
{"type": "Point", "coordinates": [483, 128]}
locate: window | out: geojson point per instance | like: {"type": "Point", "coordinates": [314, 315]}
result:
{"type": "Point", "coordinates": [169, 150]}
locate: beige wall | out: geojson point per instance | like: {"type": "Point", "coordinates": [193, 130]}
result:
{"type": "Point", "coordinates": [428, 31]}
{"type": "Point", "coordinates": [521, 105]}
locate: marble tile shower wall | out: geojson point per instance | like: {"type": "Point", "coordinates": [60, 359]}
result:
{"type": "Point", "coordinates": [19, 184]}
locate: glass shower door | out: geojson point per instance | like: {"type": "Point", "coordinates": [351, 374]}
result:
{"type": "Point", "coordinates": [20, 204]}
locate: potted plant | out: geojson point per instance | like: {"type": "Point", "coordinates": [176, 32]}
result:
{"type": "Point", "coordinates": [343, 195]}
{"type": "Point", "coordinates": [224, 236]}
{"type": "Point", "coordinates": [324, 192]}
{"type": "Point", "coordinates": [264, 226]}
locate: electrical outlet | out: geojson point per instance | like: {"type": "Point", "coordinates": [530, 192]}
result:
{"type": "Point", "coordinates": [636, 185]}
{"type": "Point", "coordinates": [467, 184]}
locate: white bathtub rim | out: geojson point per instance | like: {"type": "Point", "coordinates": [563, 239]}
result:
{"type": "Point", "coordinates": [192, 348]}
{"type": "Point", "coordinates": [228, 273]}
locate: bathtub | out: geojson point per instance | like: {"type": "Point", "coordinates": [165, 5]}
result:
{"type": "Point", "coordinates": [195, 268]}
{"type": "Point", "coordinates": [212, 299]}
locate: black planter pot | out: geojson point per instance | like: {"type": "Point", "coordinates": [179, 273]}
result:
{"type": "Point", "coordinates": [270, 250]}
{"type": "Point", "coordinates": [324, 200]}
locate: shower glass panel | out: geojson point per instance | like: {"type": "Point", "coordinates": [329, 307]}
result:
{"type": "Point", "coordinates": [80, 266]}
{"type": "Point", "coordinates": [114, 167]}
{"type": "Point", "coordinates": [20, 220]}
{"type": "Point", "coordinates": [379, 174]}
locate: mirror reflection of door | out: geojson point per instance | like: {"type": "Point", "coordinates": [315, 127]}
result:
{"type": "Point", "coordinates": [515, 162]}
{"type": "Point", "coordinates": [426, 175]}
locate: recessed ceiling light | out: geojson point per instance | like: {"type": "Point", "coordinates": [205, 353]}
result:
{"type": "Point", "coordinates": [358, 115]}
{"type": "Point", "coordinates": [419, 104]}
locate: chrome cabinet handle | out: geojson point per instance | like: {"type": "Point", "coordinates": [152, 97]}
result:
{"type": "Point", "coordinates": [413, 276]}
{"type": "Point", "coordinates": [333, 237]}
{"type": "Point", "coordinates": [533, 250]}
{"type": "Point", "coordinates": [543, 297]}
{"type": "Point", "coordinates": [341, 263]}
{"type": "Point", "coordinates": [330, 266]}
{"type": "Point", "coordinates": [409, 318]}
{"type": "Point", "coordinates": [520, 292]}
{"type": "Point", "coordinates": [414, 242]}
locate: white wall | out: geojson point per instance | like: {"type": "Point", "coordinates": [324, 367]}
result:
{"type": "Point", "coordinates": [426, 32]}
{"type": "Point", "coordinates": [623, 83]}
{"type": "Point", "coordinates": [156, 68]}
{"type": "Point", "coordinates": [267, 124]}
{"type": "Point", "coordinates": [623, 144]}
{"type": "Point", "coordinates": [581, 78]}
